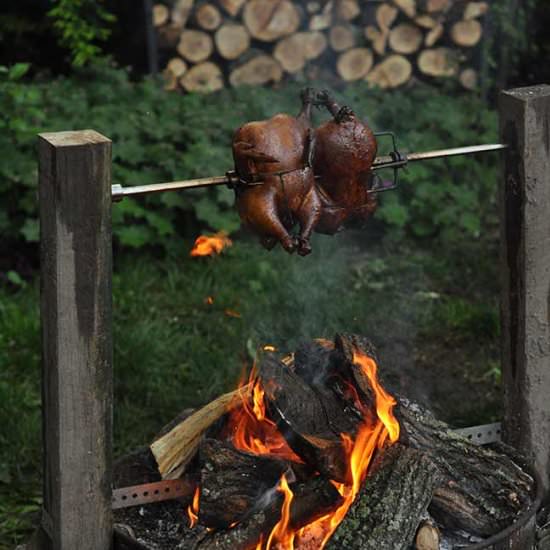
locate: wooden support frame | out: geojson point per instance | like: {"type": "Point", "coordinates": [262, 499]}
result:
{"type": "Point", "coordinates": [77, 403]}
{"type": "Point", "coordinates": [524, 205]}
{"type": "Point", "coordinates": [76, 272]}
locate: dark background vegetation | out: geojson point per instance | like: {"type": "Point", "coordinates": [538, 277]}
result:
{"type": "Point", "coordinates": [421, 279]}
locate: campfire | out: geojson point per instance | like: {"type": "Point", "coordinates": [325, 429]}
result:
{"type": "Point", "coordinates": [311, 452]}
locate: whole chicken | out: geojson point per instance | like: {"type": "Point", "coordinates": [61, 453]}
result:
{"type": "Point", "coordinates": [317, 179]}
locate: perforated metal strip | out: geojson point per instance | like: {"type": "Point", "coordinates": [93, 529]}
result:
{"type": "Point", "coordinates": [151, 492]}
{"type": "Point", "coordinates": [482, 435]}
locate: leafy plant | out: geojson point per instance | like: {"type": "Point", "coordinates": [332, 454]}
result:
{"type": "Point", "coordinates": [81, 24]}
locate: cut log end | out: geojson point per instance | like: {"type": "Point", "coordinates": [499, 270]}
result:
{"type": "Point", "coordinates": [195, 46]}
{"type": "Point", "coordinates": [268, 21]}
{"type": "Point", "coordinates": [232, 40]}
{"type": "Point", "coordinates": [354, 64]}
{"type": "Point", "coordinates": [468, 79]}
{"type": "Point", "coordinates": [466, 33]}
{"type": "Point", "coordinates": [392, 72]}
{"type": "Point", "coordinates": [405, 38]}
{"type": "Point", "coordinates": [347, 10]}
{"type": "Point", "coordinates": [341, 38]}
{"type": "Point", "coordinates": [261, 69]}
{"type": "Point", "coordinates": [385, 15]}
{"type": "Point", "coordinates": [438, 62]}
{"type": "Point", "coordinates": [208, 17]}
{"type": "Point", "coordinates": [161, 15]}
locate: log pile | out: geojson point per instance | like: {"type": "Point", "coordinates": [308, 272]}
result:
{"type": "Point", "coordinates": [208, 44]}
{"type": "Point", "coordinates": [314, 434]}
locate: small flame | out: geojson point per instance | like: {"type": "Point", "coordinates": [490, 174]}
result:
{"type": "Point", "coordinates": [269, 347]}
{"type": "Point", "coordinates": [210, 245]}
{"type": "Point", "coordinates": [193, 509]}
{"type": "Point", "coordinates": [282, 533]}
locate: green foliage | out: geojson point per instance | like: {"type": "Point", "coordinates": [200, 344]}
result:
{"type": "Point", "coordinates": [81, 24]}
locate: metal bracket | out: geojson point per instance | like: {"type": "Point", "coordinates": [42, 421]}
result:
{"type": "Point", "coordinates": [151, 492]}
{"type": "Point", "coordinates": [482, 435]}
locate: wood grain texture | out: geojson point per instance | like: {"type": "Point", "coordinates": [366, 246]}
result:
{"type": "Point", "coordinates": [525, 266]}
{"type": "Point", "coordinates": [75, 255]}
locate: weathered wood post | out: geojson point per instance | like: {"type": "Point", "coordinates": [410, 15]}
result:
{"type": "Point", "coordinates": [525, 256]}
{"type": "Point", "coordinates": [75, 255]}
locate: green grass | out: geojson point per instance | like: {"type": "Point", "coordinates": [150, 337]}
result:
{"type": "Point", "coordinates": [173, 350]}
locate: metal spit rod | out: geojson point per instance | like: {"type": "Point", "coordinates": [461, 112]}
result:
{"type": "Point", "coordinates": [119, 192]}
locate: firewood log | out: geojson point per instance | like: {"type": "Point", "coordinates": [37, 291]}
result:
{"type": "Point", "coordinates": [377, 39]}
{"type": "Point", "coordinates": [385, 15]}
{"type": "Point", "coordinates": [261, 69]}
{"type": "Point", "coordinates": [392, 72]}
{"type": "Point", "coordinates": [425, 21]}
{"type": "Point", "coordinates": [204, 77]}
{"type": "Point", "coordinates": [427, 536]}
{"type": "Point", "coordinates": [181, 12]}
{"type": "Point", "coordinates": [195, 46]}
{"type": "Point", "coordinates": [168, 36]}
{"type": "Point", "coordinates": [434, 35]}
{"type": "Point", "coordinates": [481, 491]}
{"type": "Point", "coordinates": [405, 38]}
{"type": "Point", "coordinates": [289, 52]}
{"type": "Point", "coordinates": [312, 500]}
{"type": "Point", "coordinates": [434, 6]}
{"type": "Point", "coordinates": [233, 483]}
{"type": "Point", "coordinates": [313, 7]}
{"type": "Point", "coordinates": [232, 40]}
{"type": "Point", "coordinates": [389, 507]}
{"type": "Point", "coordinates": [438, 62]}
{"type": "Point", "coordinates": [468, 79]}
{"type": "Point", "coordinates": [315, 43]}
{"type": "Point", "coordinates": [160, 15]}
{"type": "Point", "coordinates": [232, 7]}
{"type": "Point", "coordinates": [466, 33]}
{"type": "Point", "coordinates": [408, 7]}
{"type": "Point", "coordinates": [267, 20]}
{"type": "Point", "coordinates": [341, 37]}
{"type": "Point", "coordinates": [354, 64]}
{"type": "Point", "coordinates": [174, 450]}
{"type": "Point", "coordinates": [346, 10]}
{"type": "Point", "coordinates": [473, 10]}
{"type": "Point", "coordinates": [208, 17]}
{"type": "Point", "coordinates": [323, 20]}
{"type": "Point", "coordinates": [175, 68]}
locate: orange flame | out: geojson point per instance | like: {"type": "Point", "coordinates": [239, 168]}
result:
{"type": "Point", "coordinates": [193, 509]}
{"type": "Point", "coordinates": [210, 245]}
{"type": "Point", "coordinates": [250, 429]}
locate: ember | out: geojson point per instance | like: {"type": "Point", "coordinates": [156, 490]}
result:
{"type": "Point", "coordinates": [210, 245]}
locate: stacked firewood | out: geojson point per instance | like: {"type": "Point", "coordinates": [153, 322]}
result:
{"type": "Point", "coordinates": [209, 44]}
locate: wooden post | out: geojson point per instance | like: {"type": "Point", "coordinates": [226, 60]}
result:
{"type": "Point", "coordinates": [525, 255]}
{"type": "Point", "coordinates": [75, 255]}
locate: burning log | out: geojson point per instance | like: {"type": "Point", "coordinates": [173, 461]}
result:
{"type": "Point", "coordinates": [386, 512]}
{"type": "Point", "coordinates": [234, 483]}
{"type": "Point", "coordinates": [311, 500]}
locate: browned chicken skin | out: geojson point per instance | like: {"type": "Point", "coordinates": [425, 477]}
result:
{"type": "Point", "coordinates": [284, 153]}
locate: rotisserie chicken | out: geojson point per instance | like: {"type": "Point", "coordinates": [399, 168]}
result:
{"type": "Point", "coordinates": [314, 178]}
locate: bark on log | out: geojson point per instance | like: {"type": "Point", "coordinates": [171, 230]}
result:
{"type": "Point", "coordinates": [354, 64]}
{"type": "Point", "coordinates": [407, 6]}
{"type": "Point", "coordinates": [160, 15]}
{"type": "Point", "coordinates": [482, 491]}
{"type": "Point", "coordinates": [347, 10]}
{"type": "Point", "coordinates": [438, 62]}
{"type": "Point", "coordinates": [385, 15]}
{"type": "Point", "coordinates": [195, 46]}
{"type": "Point", "coordinates": [268, 21]}
{"type": "Point", "coordinates": [258, 70]}
{"type": "Point", "coordinates": [341, 37]}
{"type": "Point", "coordinates": [466, 33]}
{"type": "Point", "coordinates": [234, 483]}
{"type": "Point", "coordinates": [175, 68]}
{"type": "Point", "coordinates": [232, 40]}
{"type": "Point", "coordinates": [377, 38]}
{"type": "Point", "coordinates": [434, 35]}
{"type": "Point", "coordinates": [393, 72]}
{"type": "Point", "coordinates": [389, 507]}
{"type": "Point", "coordinates": [174, 450]}
{"type": "Point", "coordinates": [208, 17]}
{"type": "Point", "coordinates": [312, 500]}
{"type": "Point", "coordinates": [405, 38]}
{"type": "Point", "coordinates": [232, 7]}
{"type": "Point", "coordinates": [473, 10]}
